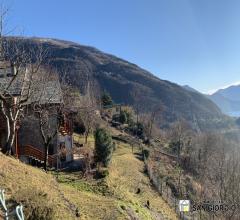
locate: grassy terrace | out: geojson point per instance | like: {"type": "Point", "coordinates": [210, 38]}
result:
{"type": "Point", "coordinates": [112, 198]}
{"type": "Point", "coordinates": [116, 197]}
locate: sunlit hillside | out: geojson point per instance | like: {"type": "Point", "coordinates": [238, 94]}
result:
{"type": "Point", "coordinates": [113, 198]}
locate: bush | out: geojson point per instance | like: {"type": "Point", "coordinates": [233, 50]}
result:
{"type": "Point", "coordinates": [175, 146]}
{"type": "Point", "coordinates": [102, 174]}
{"type": "Point", "coordinates": [123, 117]}
{"type": "Point", "coordinates": [106, 99]}
{"type": "Point", "coordinates": [140, 129]}
{"type": "Point", "coordinates": [36, 204]}
{"type": "Point", "coordinates": [136, 129]}
{"type": "Point", "coordinates": [103, 146]}
{"type": "Point", "coordinates": [146, 153]}
{"type": "Point", "coordinates": [170, 183]}
{"type": "Point", "coordinates": [115, 117]}
{"type": "Point", "coordinates": [79, 128]}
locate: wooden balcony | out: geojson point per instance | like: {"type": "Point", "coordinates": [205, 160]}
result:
{"type": "Point", "coordinates": [66, 127]}
{"type": "Point", "coordinates": [37, 154]}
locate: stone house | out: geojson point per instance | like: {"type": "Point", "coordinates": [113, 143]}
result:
{"type": "Point", "coordinates": [29, 144]}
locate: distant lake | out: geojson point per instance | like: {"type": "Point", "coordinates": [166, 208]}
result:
{"type": "Point", "coordinates": [234, 114]}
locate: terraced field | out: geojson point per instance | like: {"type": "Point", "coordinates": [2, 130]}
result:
{"type": "Point", "coordinates": [122, 195]}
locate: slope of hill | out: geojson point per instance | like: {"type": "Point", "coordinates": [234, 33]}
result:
{"type": "Point", "coordinates": [228, 100]}
{"type": "Point", "coordinates": [127, 83]}
{"type": "Point", "coordinates": [119, 200]}
{"type": "Point", "coordinates": [36, 190]}
{"type": "Point", "coordinates": [114, 198]}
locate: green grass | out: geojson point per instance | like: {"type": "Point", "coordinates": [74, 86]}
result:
{"type": "Point", "coordinates": [81, 139]}
{"type": "Point", "coordinates": [74, 180]}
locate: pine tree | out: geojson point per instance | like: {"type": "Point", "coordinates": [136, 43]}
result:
{"type": "Point", "coordinates": [103, 146]}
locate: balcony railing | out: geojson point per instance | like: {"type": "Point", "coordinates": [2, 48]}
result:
{"type": "Point", "coordinates": [31, 151]}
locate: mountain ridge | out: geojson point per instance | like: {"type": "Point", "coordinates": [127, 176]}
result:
{"type": "Point", "coordinates": [228, 100]}
{"type": "Point", "coordinates": [231, 92]}
{"type": "Point", "coordinates": [122, 79]}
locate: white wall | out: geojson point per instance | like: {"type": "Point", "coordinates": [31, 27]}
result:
{"type": "Point", "coordinates": [68, 141]}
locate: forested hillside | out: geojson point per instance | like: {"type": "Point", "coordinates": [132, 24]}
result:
{"type": "Point", "coordinates": [127, 83]}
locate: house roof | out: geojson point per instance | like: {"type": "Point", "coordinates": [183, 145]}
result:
{"type": "Point", "coordinates": [42, 91]}
{"type": "Point", "coordinates": [49, 92]}
{"type": "Point", "coordinates": [9, 85]}
{"type": "Point", "coordinates": [13, 88]}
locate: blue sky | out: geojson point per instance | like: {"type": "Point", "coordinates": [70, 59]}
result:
{"type": "Point", "coordinates": [194, 42]}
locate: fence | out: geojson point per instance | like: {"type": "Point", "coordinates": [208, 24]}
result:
{"type": "Point", "coordinates": [166, 193]}
{"type": "Point", "coordinates": [17, 212]}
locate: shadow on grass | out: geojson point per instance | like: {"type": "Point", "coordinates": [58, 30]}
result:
{"type": "Point", "coordinates": [138, 156]}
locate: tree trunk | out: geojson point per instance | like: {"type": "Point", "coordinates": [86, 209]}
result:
{"type": "Point", "coordinates": [46, 156]}
{"type": "Point", "coordinates": [11, 133]}
{"type": "Point", "coordinates": [9, 144]}
{"type": "Point", "coordinates": [86, 136]}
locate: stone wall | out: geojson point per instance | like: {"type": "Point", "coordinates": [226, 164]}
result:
{"type": "Point", "coordinates": [29, 133]}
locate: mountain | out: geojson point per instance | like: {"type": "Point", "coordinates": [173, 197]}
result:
{"type": "Point", "coordinates": [190, 89]}
{"type": "Point", "coordinates": [231, 93]}
{"type": "Point", "coordinates": [228, 100]}
{"type": "Point", "coordinates": [128, 83]}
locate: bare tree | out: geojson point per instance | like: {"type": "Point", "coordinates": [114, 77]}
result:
{"type": "Point", "coordinates": [222, 176]}
{"type": "Point", "coordinates": [152, 119]}
{"type": "Point", "coordinates": [137, 102]}
{"type": "Point", "coordinates": [19, 65]}
{"type": "Point", "coordinates": [47, 104]}
{"type": "Point", "coordinates": [179, 136]}
{"type": "Point", "coordinates": [87, 112]}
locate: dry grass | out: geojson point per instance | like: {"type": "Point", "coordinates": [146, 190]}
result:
{"type": "Point", "coordinates": [120, 200]}
{"type": "Point", "coordinates": [92, 205]}
{"type": "Point", "coordinates": [126, 176]}
{"type": "Point", "coordinates": [16, 177]}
